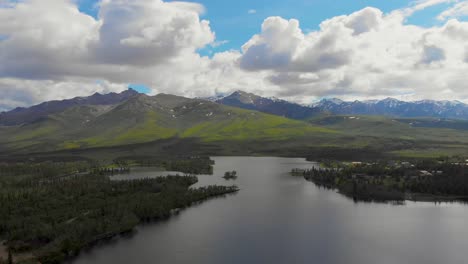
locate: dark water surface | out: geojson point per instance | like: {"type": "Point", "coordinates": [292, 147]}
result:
{"type": "Point", "coordinates": [277, 218]}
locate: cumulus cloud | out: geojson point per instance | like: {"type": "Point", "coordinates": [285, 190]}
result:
{"type": "Point", "coordinates": [137, 33]}
{"type": "Point", "coordinates": [283, 46]}
{"type": "Point", "coordinates": [149, 32]}
{"type": "Point", "coordinates": [51, 40]}
{"type": "Point", "coordinates": [51, 50]}
{"type": "Point", "coordinates": [274, 47]}
{"type": "Point", "coordinates": [432, 54]}
{"type": "Point", "coordinates": [22, 93]}
{"type": "Point", "coordinates": [361, 55]}
{"type": "Point", "coordinates": [43, 41]}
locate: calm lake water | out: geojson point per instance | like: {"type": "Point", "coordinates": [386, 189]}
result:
{"type": "Point", "coordinates": [277, 218]}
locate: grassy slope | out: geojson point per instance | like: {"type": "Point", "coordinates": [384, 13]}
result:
{"type": "Point", "coordinates": [425, 137]}
{"type": "Point", "coordinates": [146, 119]}
{"type": "Point", "coordinates": [148, 129]}
{"type": "Point", "coordinates": [248, 125]}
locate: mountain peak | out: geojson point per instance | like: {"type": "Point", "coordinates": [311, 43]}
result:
{"type": "Point", "coordinates": [27, 115]}
{"type": "Point", "coordinates": [335, 101]}
{"type": "Point", "coordinates": [243, 97]}
{"type": "Point", "coordinates": [239, 92]}
{"type": "Point", "coordinates": [327, 101]}
{"type": "Point", "coordinates": [390, 99]}
{"type": "Point", "coordinates": [273, 106]}
{"type": "Point", "coordinates": [130, 90]}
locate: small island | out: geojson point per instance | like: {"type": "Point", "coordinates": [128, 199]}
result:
{"type": "Point", "coordinates": [425, 180]}
{"type": "Point", "coordinates": [230, 175]}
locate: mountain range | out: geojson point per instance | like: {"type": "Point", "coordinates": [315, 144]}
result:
{"type": "Point", "coordinates": [131, 117]}
{"type": "Point", "coordinates": [239, 99]}
{"type": "Point", "coordinates": [387, 107]}
{"type": "Point", "coordinates": [241, 120]}
{"type": "Point", "coordinates": [23, 115]}
{"type": "Point", "coordinates": [272, 106]}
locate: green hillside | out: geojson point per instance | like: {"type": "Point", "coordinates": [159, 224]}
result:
{"type": "Point", "coordinates": [247, 125]}
{"type": "Point", "coordinates": [405, 129]}
{"type": "Point", "coordinates": [229, 130]}
{"type": "Point", "coordinates": [424, 137]}
{"type": "Point", "coordinates": [145, 118]}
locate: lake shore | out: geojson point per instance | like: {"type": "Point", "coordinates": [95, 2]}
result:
{"type": "Point", "coordinates": [387, 181]}
{"type": "Point", "coordinates": [87, 208]}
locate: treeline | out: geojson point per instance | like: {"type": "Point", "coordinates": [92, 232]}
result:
{"type": "Point", "coordinates": [341, 154]}
{"type": "Point", "coordinates": [21, 174]}
{"type": "Point", "coordinates": [189, 165]}
{"type": "Point", "coordinates": [56, 218]}
{"type": "Point", "coordinates": [386, 181]}
{"type": "Point", "coordinates": [42, 169]}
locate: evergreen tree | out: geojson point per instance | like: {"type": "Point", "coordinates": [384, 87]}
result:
{"type": "Point", "coordinates": [10, 257]}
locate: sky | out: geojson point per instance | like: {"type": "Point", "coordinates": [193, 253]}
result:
{"type": "Point", "coordinates": [298, 50]}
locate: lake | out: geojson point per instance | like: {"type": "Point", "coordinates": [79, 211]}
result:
{"type": "Point", "coordinates": [278, 218]}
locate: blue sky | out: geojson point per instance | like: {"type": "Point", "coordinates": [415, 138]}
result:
{"type": "Point", "coordinates": [234, 24]}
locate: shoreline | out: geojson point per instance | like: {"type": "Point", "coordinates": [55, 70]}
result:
{"type": "Point", "coordinates": [421, 197]}
{"type": "Point", "coordinates": [107, 237]}
{"type": "Point", "coordinates": [104, 238]}
{"type": "Point", "coordinates": [411, 197]}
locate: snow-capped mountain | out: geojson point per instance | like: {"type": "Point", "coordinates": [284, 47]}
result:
{"type": "Point", "coordinates": [385, 107]}
{"type": "Point", "coordinates": [397, 108]}
{"type": "Point", "coordinates": [273, 106]}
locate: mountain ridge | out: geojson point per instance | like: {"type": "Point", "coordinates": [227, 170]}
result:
{"type": "Point", "coordinates": [143, 118]}
{"type": "Point", "coordinates": [273, 106]}
{"type": "Point", "coordinates": [21, 115]}
{"type": "Point", "coordinates": [396, 108]}
{"type": "Point", "coordinates": [390, 107]}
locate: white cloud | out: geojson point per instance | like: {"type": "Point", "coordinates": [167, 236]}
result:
{"type": "Point", "coordinates": [149, 32]}
{"type": "Point", "coordinates": [432, 54]}
{"type": "Point", "coordinates": [252, 11]}
{"type": "Point", "coordinates": [419, 5]}
{"type": "Point", "coordinates": [127, 33]}
{"type": "Point", "coordinates": [218, 43]}
{"type": "Point", "coordinates": [423, 4]}
{"type": "Point", "coordinates": [52, 41]}
{"type": "Point", "coordinates": [53, 51]}
{"type": "Point", "coordinates": [274, 47]}
{"type": "Point", "coordinates": [20, 93]}
{"type": "Point", "coordinates": [365, 54]}
{"type": "Point", "coordinates": [283, 46]}
{"type": "Point", "coordinates": [458, 10]}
